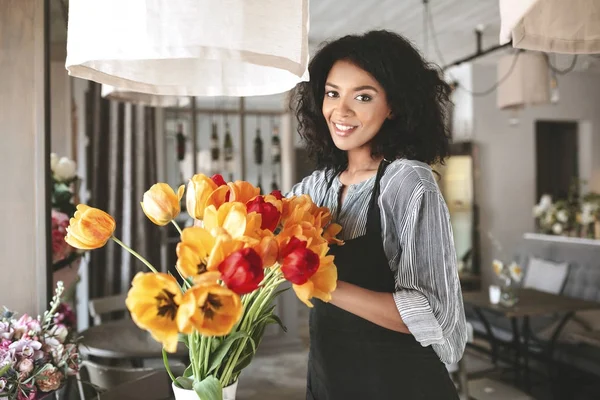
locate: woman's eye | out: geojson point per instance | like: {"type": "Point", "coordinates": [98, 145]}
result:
{"type": "Point", "coordinates": [363, 97]}
{"type": "Point", "coordinates": [331, 93]}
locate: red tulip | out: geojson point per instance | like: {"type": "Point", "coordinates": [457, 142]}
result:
{"type": "Point", "coordinates": [299, 263]}
{"type": "Point", "coordinates": [277, 194]}
{"type": "Point", "coordinates": [218, 179]}
{"type": "Point", "coordinates": [242, 271]}
{"type": "Point", "coordinates": [270, 214]}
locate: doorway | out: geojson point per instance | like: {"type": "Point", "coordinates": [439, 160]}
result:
{"type": "Point", "coordinates": [557, 158]}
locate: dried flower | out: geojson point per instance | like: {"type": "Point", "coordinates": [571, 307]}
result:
{"type": "Point", "coordinates": [49, 379]}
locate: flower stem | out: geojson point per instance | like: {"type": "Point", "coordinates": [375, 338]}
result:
{"type": "Point", "coordinates": [133, 252]}
{"type": "Point", "coordinates": [176, 226]}
{"type": "Point", "coordinates": [166, 362]}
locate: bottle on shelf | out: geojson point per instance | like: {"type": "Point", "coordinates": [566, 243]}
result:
{"type": "Point", "coordinates": [274, 185]}
{"type": "Point", "coordinates": [258, 147]}
{"type": "Point", "coordinates": [180, 142]}
{"type": "Point", "coordinates": [215, 150]}
{"type": "Point", "coordinates": [259, 184]}
{"type": "Point", "coordinates": [275, 146]}
{"type": "Point", "coordinates": [228, 151]}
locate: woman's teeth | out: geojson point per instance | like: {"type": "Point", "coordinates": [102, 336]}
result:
{"type": "Point", "coordinates": [343, 129]}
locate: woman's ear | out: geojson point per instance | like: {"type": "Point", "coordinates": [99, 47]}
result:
{"type": "Point", "coordinates": [390, 115]}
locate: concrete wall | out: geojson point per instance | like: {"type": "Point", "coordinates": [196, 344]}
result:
{"type": "Point", "coordinates": [506, 174]}
{"type": "Point", "coordinates": [23, 239]}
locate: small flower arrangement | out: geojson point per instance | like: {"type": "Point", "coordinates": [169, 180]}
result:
{"type": "Point", "coordinates": [64, 182]}
{"type": "Point", "coordinates": [242, 247]}
{"type": "Point", "coordinates": [510, 276]}
{"type": "Point", "coordinates": [36, 354]}
{"type": "Point", "coordinates": [576, 216]}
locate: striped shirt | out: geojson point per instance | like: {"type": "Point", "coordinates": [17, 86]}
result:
{"type": "Point", "coordinates": [418, 243]}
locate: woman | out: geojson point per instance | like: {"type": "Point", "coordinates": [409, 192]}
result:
{"type": "Point", "coordinates": [373, 115]}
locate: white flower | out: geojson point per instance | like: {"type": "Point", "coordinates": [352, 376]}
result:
{"type": "Point", "coordinates": [538, 211]}
{"type": "Point", "coordinates": [498, 267]}
{"type": "Point", "coordinates": [557, 228]}
{"type": "Point", "coordinates": [53, 161]}
{"type": "Point", "coordinates": [516, 272]}
{"type": "Point", "coordinates": [562, 216]}
{"type": "Point", "coordinates": [545, 202]}
{"type": "Point", "coordinates": [60, 332]}
{"type": "Point", "coordinates": [65, 169]}
{"type": "Point", "coordinates": [587, 213]}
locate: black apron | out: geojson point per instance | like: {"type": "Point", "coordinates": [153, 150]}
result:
{"type": "Point", "coordinates": [352, 358]}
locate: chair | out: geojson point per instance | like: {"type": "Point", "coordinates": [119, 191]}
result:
{"type": "Point", "coordinates": [95, 379]}
{"type": "Point", "coordinates": [105, 305]}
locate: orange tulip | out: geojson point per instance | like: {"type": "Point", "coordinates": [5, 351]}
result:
{"type": "Point", "coordinates": [212, 310]}
{"type": "Point", "coordinates": [200, 187]}
{"type": "Point", "coordinates": [235, 220]}
{"type": "Point", "coordinates": [161, 204]}
{"type": "Point", "coordinates": [90, 228]}
{"type": "Point", "coordinates": [320, 285]}
{"type": "Point", "coordinates": [153, 301]}
{"type": "Point", "coordinates": [200, 250]}
{"type": "Point", "coordinates": [242, 191]}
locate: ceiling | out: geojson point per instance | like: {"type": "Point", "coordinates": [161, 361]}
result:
{"type": "Point", "coordinates": [453, 27]}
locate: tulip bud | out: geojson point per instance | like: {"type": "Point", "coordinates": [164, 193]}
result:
{"type": "Point", "coordinates": [90, 228]}
{"type": "Point", "coordinates": [200, 187]}
{"type": "Point", "coordinates": [161, 204]}
{"type": "Point", "coordinates": [65, 169]}
{"type": "Point", "coordinates": [299, 263]}
{"type": "Point", "coordinates": [269, 213]}
{"type": "Point", "coordinates": [242, 271]}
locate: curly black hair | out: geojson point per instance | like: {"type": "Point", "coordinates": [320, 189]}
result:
{"type": "Point", "coordinates": [416, 93]}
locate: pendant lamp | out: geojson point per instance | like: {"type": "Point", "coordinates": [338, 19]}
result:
{"type": "Point", "coordinates": [190, 47]}
{"type": "Point", "coordinates": [551, 26]}
{"type": "Point", "coordinates": [145, 99]}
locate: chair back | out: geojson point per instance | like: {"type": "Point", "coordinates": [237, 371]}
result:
{"type": "Point", "coordinates": [95, 378]}
{"type": "Point", "coordinates": [105, 305]}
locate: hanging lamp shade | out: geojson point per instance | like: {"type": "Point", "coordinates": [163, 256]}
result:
{"type": "Point", "coordinates": [552, 26]}
{"type": "Point", "coordinates": [190, 47]}
{"type": "Point", "coordinates": [146, 99]}
{"type": "Point", "coordinates": [525, 80]}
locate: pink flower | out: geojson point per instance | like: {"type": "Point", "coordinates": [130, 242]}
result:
{"type": "Point", "coordinates": [6, 332]}
{"type": "Point", "coordinates": [26, 326]}
{"type": "Point", "coordinates": [25, 347]}
{"type": "Point", "coordinates": [26, 392]}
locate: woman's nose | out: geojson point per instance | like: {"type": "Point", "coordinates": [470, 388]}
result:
{"type": "Point", "coordinates": [343, 109]}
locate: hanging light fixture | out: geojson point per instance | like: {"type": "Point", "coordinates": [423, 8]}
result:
{"type": "Point", "coordinates": [190, 47]}
{"type": "Point", "coordinates": [552, 26]}
{"type": "Point", "coordinates": [523, 80]}
{"type": "Point", "coordinates": [146, 99]}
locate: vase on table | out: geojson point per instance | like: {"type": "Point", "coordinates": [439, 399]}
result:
{"type": "Point", "coordinates": [508, 294]}
{"type": "Point", "coordinates": [229, 393]}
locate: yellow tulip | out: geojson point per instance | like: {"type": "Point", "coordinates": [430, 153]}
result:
{"type": "Point", "coordinates": [201, 251]}
{"type": "Point", "coordinates": [90, 228]}
{"type": "Point", "coordinates": [230, 216]}
{"type": "Point", "coordinates": [161, 204]}
{"type": "Point", "coordinates": [320, 285]}
{"type": "Point", "coordinates": [153, 301]}
{"type": "Point", "coordinates": [211, 309]}
{"type": "Point", "coordinates": [242, 191]}
{"type": "Point", "coordinates": [200, 187]}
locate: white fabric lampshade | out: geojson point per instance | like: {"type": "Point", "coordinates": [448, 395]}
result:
{"type": "Point", "coordinates": [552, 26]}
{"type": "Point", "coordinates": [146, 99]}
{"type": "Point", "coordinates": [527, 84]}
{"type": "Point", "coordinates": [190, 47]}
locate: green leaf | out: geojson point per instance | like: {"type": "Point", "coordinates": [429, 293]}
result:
{"type": "Point", "coordinates": [4, 369]}
{"type": "Point", "coordinates": [183, 339]}
{"type": "Point", "coordinates": [217, 357]}
{"type": "Point", "coordinates": [209, 389]}
{"type": "Point", "coordinates": [185, 382]}
{"type": "Point", "coordinates": [274, 319]}
{"type": "Point", "coordinates": [189, 371]}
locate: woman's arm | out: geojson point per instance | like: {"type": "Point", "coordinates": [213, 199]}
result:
{"type": "Point", "coordinates": [376, 307]}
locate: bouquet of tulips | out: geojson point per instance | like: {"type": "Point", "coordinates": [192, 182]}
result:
{"type": "Point", "coordinates": [37, 355]}
{"type": "Point", "coordinates": [242, 247]}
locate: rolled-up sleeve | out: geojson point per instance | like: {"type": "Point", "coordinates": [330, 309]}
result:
{"type": "Point", "coordinates": [420, 247]}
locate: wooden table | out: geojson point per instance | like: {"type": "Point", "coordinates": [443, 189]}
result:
{"type": "Point", "coordinates": [531, 303]}
{"type": "Point", "coordinates": [592, 338]}
{"type": "Point", "coordinates": [122, 339]}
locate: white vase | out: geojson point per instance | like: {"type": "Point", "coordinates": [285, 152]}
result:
{"type": "Point", "coordinates": [184, 394]}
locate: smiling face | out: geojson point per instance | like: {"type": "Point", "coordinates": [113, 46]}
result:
{"type": "Point", "coordinates": [355, 106]}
